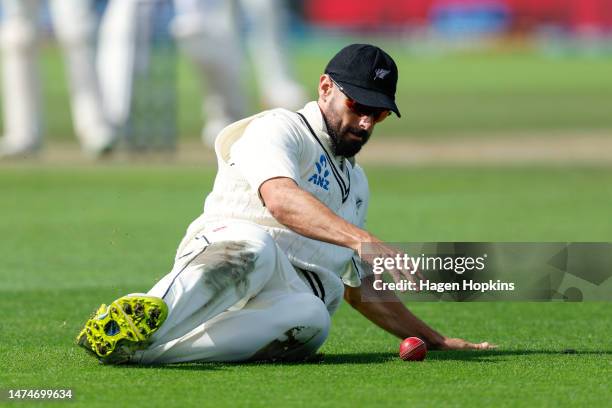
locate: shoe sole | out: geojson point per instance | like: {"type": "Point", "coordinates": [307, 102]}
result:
{"type": "Point", "coordinates": [115, 332]}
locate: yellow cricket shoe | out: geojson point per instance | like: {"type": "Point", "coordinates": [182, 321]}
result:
{"type": "Point", "coordinates": [115, 332]}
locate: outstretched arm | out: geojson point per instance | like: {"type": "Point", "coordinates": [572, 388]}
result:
{"type": "Point", "coordinates": [303, 213]}
{"type": "Point", "coordinates": [396, 319]}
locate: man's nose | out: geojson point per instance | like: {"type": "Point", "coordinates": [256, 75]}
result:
{"type": "Point", "coordinates": [366, 122]}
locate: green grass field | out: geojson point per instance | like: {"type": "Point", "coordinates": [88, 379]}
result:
{"type": "Point", "coordinates": [76, 237]}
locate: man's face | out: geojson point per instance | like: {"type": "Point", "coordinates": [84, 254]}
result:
{"type": "Point", "coordinates": [348, 130]}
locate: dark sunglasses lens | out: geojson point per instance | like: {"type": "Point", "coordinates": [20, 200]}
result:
{"type": "Point", "coordinates": [382, 116]}
{"type": "Point", "coordinates": [377, 114]}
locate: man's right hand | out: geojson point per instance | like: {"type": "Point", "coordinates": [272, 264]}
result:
{"type": "Point", "coordinates": [459, 344]}
{"type": "Point", "coordinates": [369, 251]}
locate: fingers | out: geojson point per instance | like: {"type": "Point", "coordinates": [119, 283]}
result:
{"type": "Point", "coordinates": [413, 275]}
{"type": "Point", "coordinates": [419, 275]}
{"type": "Point", "coordinates": [485, 345]}
{"type": "Point", "coordinates": [395, 274]}
{"type": "Point", "coordinates": [460, 344]}
{"type": "Point", "coordinates": [392, 259]}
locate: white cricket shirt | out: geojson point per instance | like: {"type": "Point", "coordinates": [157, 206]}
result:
{"type": "Point", "coordinates": [281, 143]}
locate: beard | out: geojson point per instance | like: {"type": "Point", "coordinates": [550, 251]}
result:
{"type": "Point", "coordinates": [342, 145]}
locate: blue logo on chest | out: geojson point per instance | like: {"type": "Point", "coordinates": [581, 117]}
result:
{"type": "Point", "coordinates": [320, 177]}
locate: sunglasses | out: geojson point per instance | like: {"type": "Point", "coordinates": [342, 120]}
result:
{"type": "Point", "coordinates": [377, 114]}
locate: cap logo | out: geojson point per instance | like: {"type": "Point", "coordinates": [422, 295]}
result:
{"type": "Point", "coordinates": [381, 73]}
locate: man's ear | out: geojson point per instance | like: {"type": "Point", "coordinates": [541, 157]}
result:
{"type": "Point", "coordinates": [325, 85]}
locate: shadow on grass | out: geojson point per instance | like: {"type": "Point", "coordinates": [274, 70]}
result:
{"type": "Point", "coordinates": [319, 359]}
{"type": "Point", "coordinates": [486, 356]}
{"type": "Point", "coordinates": [493, 356]}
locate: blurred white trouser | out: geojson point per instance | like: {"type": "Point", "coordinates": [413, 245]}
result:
{"type": "Point", "coordinates": [74, 23]}
{"type": "Point", "coordinates": [233, 296]}
{"type": "Point", "coordinates": [268, 31]}
{"type": "Point", "coordinates": [208, 32]}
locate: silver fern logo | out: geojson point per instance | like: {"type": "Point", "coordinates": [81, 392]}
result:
{"type": "Point", "coordinates": [380, 73]}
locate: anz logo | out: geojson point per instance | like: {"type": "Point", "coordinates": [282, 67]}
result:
{"type": "Point", "coordinates": [320, 177]}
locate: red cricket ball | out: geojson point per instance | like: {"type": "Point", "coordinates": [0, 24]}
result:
{"type": "Point", "coordinates": [412, 349]}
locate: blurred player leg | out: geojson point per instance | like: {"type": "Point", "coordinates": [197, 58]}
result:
{"type": "Point", "coordinates": [217, 273]}
{"type": "Point", "coordinates": [207, 33]}
{"type": "Point", "coordinates": [116, 55]}
{"type": "Point", "coordinates": [74, 23]}
{"type": "Point", "coordinates": [20, 78]}
{"type": "Point", "coordinates": [268, 28]}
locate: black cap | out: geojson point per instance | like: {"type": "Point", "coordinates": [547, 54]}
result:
{"type": "Point", "coordinates": [367, 74]}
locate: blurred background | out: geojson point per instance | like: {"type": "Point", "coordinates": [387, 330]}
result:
{"type": "Point", "coordinates": [505, 69]}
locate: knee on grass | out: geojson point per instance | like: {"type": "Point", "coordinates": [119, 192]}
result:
{"type": "Point", "coordinates": [301, 335]}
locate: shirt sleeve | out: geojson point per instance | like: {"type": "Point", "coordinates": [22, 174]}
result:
{"type": "Point", "coordinates": [269, 148]}
{"type": "Point", "coordinates": [353, 273]}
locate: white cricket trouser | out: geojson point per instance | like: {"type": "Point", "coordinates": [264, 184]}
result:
{"type": "Point", "coordinates": [209, 34]}
{"type": "Point", "coordinates": [74, 23]}
{"type": "Point", "coordinates": [206, 32]}
{"type": "Point", "coordinates": [118, 54]}
{"type": "Point", "coordinates": [20, 77]}
{"type": "Point", "coordinates": [268, 30]}
{"type": "Point", "coordinates": [233, 296]}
